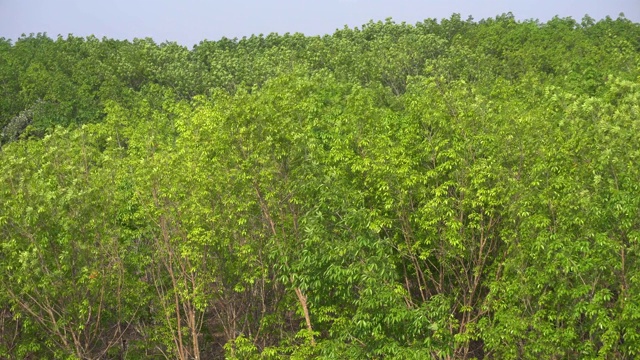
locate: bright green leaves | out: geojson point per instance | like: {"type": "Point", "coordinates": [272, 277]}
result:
{"type": "Point", "coordinates": [63, 267]}
{"type": "Point", "coordinates": [447, 190]}
{"type": "Point", "coordinates": [569, 247]}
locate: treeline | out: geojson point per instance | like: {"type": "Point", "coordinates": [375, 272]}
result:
{"type": "Point", "coordinates": [449, 189]}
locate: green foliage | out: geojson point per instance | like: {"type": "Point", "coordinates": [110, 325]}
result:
{"type": "Point", "coordinates": [451, 189]}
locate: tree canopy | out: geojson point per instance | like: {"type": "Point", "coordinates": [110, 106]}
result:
{"type": "Point", "coordinates": [452, 189]}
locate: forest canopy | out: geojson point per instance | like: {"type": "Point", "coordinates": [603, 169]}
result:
{"type": "Point", "coordinates": [452, 189]}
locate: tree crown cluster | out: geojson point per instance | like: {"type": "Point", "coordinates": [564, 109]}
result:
{"type": "Point", "coordinates": [449, 189]}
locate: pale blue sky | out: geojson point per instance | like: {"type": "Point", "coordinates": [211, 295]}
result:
{"type": "Point", "coordinates": [190, 21]}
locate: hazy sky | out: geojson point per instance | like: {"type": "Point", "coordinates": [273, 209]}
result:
{"type": "Point", "coordinates": [190, 21]}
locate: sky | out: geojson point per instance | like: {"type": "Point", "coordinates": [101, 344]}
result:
{"type": "Point", "coordinates": [190, 21]}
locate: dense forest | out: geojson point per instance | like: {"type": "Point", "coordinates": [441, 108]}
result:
{"type": "Point", "coordinates": [453, 189]}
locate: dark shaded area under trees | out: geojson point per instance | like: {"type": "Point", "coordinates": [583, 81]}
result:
{"type": "Point", "coordinates": [451, 189]}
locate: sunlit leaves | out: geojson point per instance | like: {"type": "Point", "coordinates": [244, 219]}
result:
{"type": "Point", "coordinates": [451, 189]}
